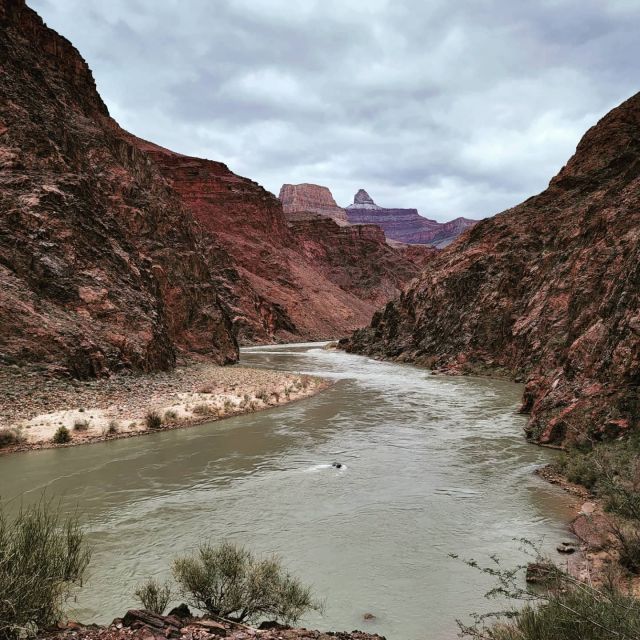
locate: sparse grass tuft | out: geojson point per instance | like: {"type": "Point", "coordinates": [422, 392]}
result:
{"type": "Point", "coordinates": [153, 420]}
{"type": "Point", "coordinates": [204, 410]}
{"type": "Point", "coordinates": [113, 427]}
{"type": "Point", "coordinates": [10, 437]}
{"type": "Point", "coordinates": [81, 425]}
{"type": "Point", "coordinates": [170, 415]}
{"type": "Point", "coordinates": [154, 596]}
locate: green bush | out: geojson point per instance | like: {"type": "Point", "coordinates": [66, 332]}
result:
{"type": "Point", "coordinates": [154, 596]}
{"type": "Point", "coordinates": [564, 609]}
{"type": "Point", "coordinates": [42, 558]}
{"type": "Point", "coordinates": [62, 435]}
{"type": "Point", "coordinates": [153, 420]}
{"type": "Point", "coordinates": [228, 581]}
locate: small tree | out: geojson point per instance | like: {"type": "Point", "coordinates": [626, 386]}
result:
{"type": "Point", "coordinates": [228, 581]}
{"type": "Point", "coordinates": [154, 596]}
{"type": "Point", "coordinates": [42, 558]}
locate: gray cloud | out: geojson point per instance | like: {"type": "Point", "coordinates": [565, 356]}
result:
{"type": "Point", "coordinates": [461, 108]}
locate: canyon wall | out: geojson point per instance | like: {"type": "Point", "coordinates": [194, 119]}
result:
{"type": "Point", "coordinates": [100, 266]}
{"type": "Point", "coordinates": [546, 293]}
{"type": "Point", "coordinates": [116, 253]}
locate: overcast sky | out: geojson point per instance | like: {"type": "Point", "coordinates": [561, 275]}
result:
{"type": "Point", "coordinates": [461, 107]}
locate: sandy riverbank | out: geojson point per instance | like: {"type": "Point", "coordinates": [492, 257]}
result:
{"type": "Point", "coordinates": [35, 406]}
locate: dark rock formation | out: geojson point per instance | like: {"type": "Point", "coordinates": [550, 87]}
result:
{"type": "Point", "coordinates": [547, 292]}
{"type": "Point", "coordinates": [300, 201]}
{"type": "Point", "coordinates": [405, 225]}
{"type": "Point", "coordinates": [101, 268]}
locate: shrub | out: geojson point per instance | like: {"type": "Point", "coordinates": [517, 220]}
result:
{"type": "Point", "coordinates": [262, 395]}
{"type": "Point", "coordinates": [204, 409]}
{"type": "Point", "coordinates": [170, 414]}
{"type": "Point", "coordinates": [230, 582]}
{"type": "Point", "coordinates": [153, 420]}
{"type": "Point", "coordinates": [62, 435]}
{"type": "Point", "coordinates": [113, 427]}
{"type": "Point", "coordinates": [81, 425]}
{"type": "Point", "coordinates": [42, 558]}
{"type": "Point", "coordinates": [566, 609]}
{"type": "Point", "coordinates": [10, 437]}
{"type": "Point", "coordinates": [154, 596]}
{"type": "Point", "coordinates": [229, 406]}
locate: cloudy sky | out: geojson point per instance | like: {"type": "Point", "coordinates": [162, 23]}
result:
{"type": "Point", "coordinates": [459, 107]}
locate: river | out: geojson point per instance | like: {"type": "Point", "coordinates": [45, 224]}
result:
{"type": "Point", "coordinates": [433, 465]}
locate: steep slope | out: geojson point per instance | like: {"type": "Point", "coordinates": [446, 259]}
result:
{"type": "Point", "coordinates": [300, 199]}
{"type": "Point", "coordinates": [315, 279]}
{"type": "Point", "coordinates": [101, 268]}
{"type": "Point", "coordinates": [546, 292]}
{"type": "Point", "coordinates": [405, 225]}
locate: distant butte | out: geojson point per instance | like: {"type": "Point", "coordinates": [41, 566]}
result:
{"type": "Point", "coordinates": [405, 225]}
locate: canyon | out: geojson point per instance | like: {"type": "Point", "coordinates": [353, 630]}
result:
{"type": "Point", "coordinates": [117, 254]}
{"type": "Point", "coordinates": [546, 292]}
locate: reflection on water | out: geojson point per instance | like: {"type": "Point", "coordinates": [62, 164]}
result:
{"type": "Point", "coordinates": [432, 465]}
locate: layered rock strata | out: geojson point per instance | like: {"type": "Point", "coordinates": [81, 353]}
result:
{"type": "Point", "coordinates": [547, 293]}
{"type": "Point", "coordinates": [405, 225]}
{"type": "Point", "coordinates": [300, 201]}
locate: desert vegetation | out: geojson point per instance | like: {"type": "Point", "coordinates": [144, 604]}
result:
{"type": "Point", "coordinates": [563, 608]}
{"type": "Point", "coordinates": [153, 595]}
{"type": "Point", "coordinates": [43, 557]}
{"type": "Point", "coordinates": [230, 582]}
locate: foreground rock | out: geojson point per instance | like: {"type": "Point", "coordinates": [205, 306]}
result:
{"type": "Point", "coordinates": [405, 225]}
{"type": "Point", "coordinates": [149, 626]}
{"type": "Point", "coordinates": [547, 293]}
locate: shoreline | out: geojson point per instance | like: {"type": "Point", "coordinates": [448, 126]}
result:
{"type": "Point", "coordinates": [34, 406]}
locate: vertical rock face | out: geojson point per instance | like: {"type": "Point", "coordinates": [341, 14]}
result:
{"type": "Point", "coordinates": [300, 199]}
{"type": "Point", "coordinates": [548, 291]}
{"type": "Point", "coordinates": [100, 267]}
{"type": "Point", "coordinates": [405, 225]}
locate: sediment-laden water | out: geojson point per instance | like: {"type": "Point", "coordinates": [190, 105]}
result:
{"type": "Point", "coordinates": [432, 465]}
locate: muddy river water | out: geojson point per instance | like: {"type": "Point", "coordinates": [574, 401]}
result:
{"type": "Point", "coordinates": [432, 465]}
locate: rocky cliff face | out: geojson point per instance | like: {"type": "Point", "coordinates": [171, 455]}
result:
{"type": "Point", "coordinates": [100, 266]}
{"type": "Point", "coordinates": [405, 225]}
{"type": "Point", "coordinates": [301, 200]}
{"type": "Point", "coordinates": [546, 292]}
{"type": "Point", "coordinates": [305, 279]}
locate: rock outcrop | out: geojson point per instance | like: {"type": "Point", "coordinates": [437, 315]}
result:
{"type": "Point", "coordinates": [302, 201]}
{"type": "Point", "coordinates": [405, 225]}
{"type": "Point", "coordinates": [101, 268]}
{"type": "Point", "coordinates": [547, 293]}
{"type": "Point", "coordinates": [180, 624]}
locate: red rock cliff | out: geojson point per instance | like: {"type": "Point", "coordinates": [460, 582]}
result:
{"type": "Point", "coordinates": [101, 268]}
{"type": "Point", "coordinates": [305, 198]}
{"type": "Point", "coordinates": [547, 292]}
